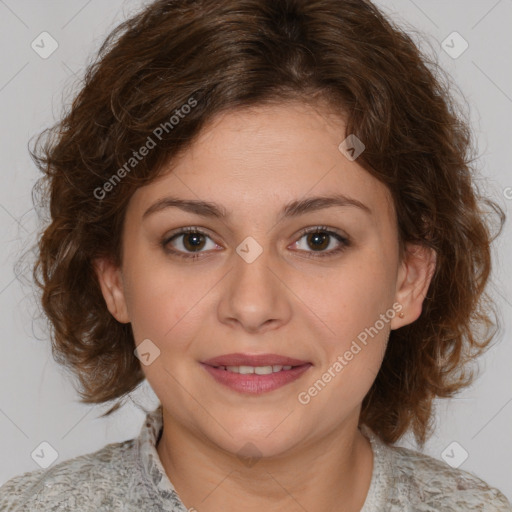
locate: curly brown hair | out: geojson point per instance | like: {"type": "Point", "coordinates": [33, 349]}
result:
{"type": "Point", "coordinates": [228, 54]}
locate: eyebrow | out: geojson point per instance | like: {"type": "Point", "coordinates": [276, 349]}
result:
{"type": "Point", "coordinates": [292, 209]}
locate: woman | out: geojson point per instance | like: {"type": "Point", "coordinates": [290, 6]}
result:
{"type": "Point", "coordinates": [265, 209]}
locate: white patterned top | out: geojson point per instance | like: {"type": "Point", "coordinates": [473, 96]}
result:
{"type": "Point", "coordinates": [129, 476]}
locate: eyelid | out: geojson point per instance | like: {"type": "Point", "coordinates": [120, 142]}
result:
{"type": "Point", "coordinates": [322, 229]}
{"type": "Point", "coordinates": [183, 231]}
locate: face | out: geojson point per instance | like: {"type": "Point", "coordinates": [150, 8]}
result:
{"type": "Point", "coordinates": [272, 272]}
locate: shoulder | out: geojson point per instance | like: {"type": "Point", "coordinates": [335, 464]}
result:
{"type": "Point", "coordinates": [434, 485]}
{"type": "Point", "coordinates": [89, 482]}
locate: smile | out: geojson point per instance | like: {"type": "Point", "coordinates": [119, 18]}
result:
{"type": "Point", "coordinates": [256, 380]}
{"type": "Point", "coordinates": [259, 370]}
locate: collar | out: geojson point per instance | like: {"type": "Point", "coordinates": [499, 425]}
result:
{"type": "Point", "coordinates": [153, 469]}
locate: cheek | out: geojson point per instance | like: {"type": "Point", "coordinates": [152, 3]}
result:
{"type": "Point", "coordinates": [169, 305]}
{"type": "Point", "coordinates": [159, 299]}
{"type": "Point", "coordinates": [353, 306]}
{"type": "Point", "coordinates": [353, 298]}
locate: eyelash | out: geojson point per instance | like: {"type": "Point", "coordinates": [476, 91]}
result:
{"type": "Point", "coordinates": [310, 254]}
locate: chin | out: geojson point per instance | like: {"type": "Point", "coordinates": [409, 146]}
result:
{"type": "Point", "coordinates": [256, 441]}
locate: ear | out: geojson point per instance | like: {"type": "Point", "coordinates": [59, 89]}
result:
{"type": "Point", "coordinates": [112, 287]}
{"type": "Point", "coordinates": [414, 277]}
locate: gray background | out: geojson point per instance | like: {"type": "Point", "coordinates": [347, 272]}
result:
{"type": "Point", "coordinates": [37, 400]}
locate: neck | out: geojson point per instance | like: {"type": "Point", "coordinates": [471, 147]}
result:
{"type": "Point", "coordinates": [318, 475]}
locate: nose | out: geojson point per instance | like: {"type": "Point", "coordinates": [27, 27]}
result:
{"type": "Point", "coordinates": [256, 298]}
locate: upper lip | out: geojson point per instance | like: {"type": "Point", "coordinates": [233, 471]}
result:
{"type": "Point", "coordinates": [253, 360]}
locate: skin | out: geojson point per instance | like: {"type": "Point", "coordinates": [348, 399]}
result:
{"type": "Point", "coordinates": [252, 162]}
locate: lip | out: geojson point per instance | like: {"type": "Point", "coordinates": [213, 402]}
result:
{"type": "Point", "coordinates": [253, 360]}
{"type": "Point", "coordinates": [252, 383]}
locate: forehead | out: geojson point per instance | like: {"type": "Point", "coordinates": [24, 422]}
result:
{"type": "Point", "coordinates": [258, 159]}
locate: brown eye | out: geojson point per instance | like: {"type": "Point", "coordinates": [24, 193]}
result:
{"type": "Point", "coordinates": [319, 239]}
{"type": "Point", "coordinates": [193, 241]}
{"type": "Point", "coordinates": [188, 241]}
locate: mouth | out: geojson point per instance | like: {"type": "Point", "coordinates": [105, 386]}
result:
{"type": "Point", "coordinates": [253, 360]}
{"type": "Point", "coordinates": [258, 370]}
{"type": "Point", "coordinates": [255, 374]}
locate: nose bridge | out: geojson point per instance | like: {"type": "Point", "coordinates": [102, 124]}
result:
{"type": "Point", "coordinates": [252, 275]}
{"type": "Point", "coordinates": [255, 296]}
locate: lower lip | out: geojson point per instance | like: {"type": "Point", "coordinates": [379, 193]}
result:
{"type": "Point", "coordinates": [256, 384]}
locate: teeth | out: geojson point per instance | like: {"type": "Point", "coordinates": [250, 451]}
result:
{"type": "Point", "coordinates": [258, 370]}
